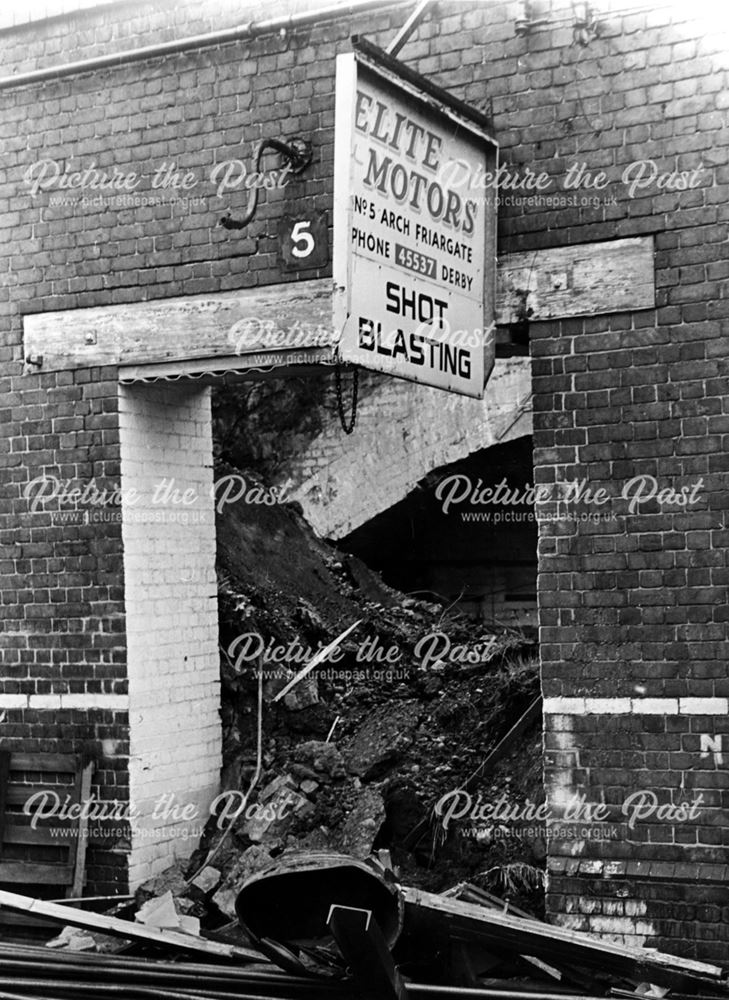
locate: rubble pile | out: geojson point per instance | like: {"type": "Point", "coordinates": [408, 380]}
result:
{"type": "Point", "coordinates": [356, 756]}
{"type": "Point", "coordinates": [355, 718]}
{"type": "Point", "coordinates": [328, 925]}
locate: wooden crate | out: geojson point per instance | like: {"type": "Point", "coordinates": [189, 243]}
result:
{"type": "Point", "coordinates": [48, 858]}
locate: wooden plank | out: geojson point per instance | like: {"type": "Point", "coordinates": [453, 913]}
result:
{"type": "Point", "coordinates": [20, 920]}
{"type": "Point", "coordinates": [584, 280]}
{"type": "Point", "coordinates": [45, 762]}
{"type": "Point", "coordinates": [587, 279]}
{"type": "Point", "coordinates": [79, 853]}
{"type": "Point", "coordinates": [28, 871]}
{"type": "Point", "coordinates": [8, 919]}
{"type": "Point", "coordinates": [15, 833]}
{"type": "Point", "coordinates": [365, 951]}
{"type": "Point", "coordinates": [4, 775]}
{"type": "Point", "coordinates": [33, 873]}
{"type": "Point", "coordinates": [174, 940]}
{"type": "Point", "coordinates": [467, 921]}
{"type": "Point", "coordinates": [470, 893]}
{"type": "Point", "coordinates": [18, 794]}
{"type": "Point", "coordinates": [296, 315]}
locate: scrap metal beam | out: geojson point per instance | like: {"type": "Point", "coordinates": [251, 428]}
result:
{"type": "Point", "coordinates": [365, 951]}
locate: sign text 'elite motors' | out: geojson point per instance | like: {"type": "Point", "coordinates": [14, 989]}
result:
{"type": "Point", "coordinates": [414, 254]}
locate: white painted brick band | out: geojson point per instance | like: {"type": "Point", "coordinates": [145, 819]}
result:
{"type": "Point", "coordinates": [55, 702]}
{"type": "Point", "coordinates": [636, 706]}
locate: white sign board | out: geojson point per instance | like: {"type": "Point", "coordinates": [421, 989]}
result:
{"type": "Point", "coordinates": [414, 232]}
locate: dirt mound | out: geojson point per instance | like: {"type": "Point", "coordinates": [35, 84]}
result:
{"type": "Point", "coordinates": [357, 755]}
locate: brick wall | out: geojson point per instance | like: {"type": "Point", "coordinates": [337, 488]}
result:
{"type": "Point", "coordinates": [63, 681]}
{"type": "Point", "coordinates": [71, 31]}
{"type": "Point", "coordinates": [632, 609]}
{"type": "Point", "coordinates": [63, 677]}
{"type": "Point", "coordinates": [168, 531]}
{"type": "Point", "coordinates": [633, 606]}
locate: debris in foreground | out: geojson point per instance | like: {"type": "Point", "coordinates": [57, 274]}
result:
{"type": "Point", "coordinates": [338, 928]}
{"type": "Point", "coordinates": [116, 927]}
{"type": "Point", "coordinates": [451, 919]}
{"type": "Point", "coordinates": [286, 908]}
{"type": "Point", "coordinates": [329, 914]}
{"type": "Point", "coordinates": [34, 973]}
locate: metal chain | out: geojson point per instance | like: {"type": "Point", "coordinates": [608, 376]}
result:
{"type": "Point", "coordinates": [348, 424]}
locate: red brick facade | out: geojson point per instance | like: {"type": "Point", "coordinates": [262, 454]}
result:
{"type": "Point", "coordinates": [634, 608]}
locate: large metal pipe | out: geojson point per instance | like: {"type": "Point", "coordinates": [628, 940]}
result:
{"type": "Point", "coordinates": [249, 30]}
{"type": "Point", "coordinates": [285, 907]}
{"type": "Point", "coordinates": [478, 993]}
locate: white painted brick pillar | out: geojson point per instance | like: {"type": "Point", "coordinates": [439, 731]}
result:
{"type": "Point", "coordinates": [171, 619]}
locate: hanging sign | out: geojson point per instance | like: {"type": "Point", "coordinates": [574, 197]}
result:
{"type": "Point", "coordinates": [414, 228]}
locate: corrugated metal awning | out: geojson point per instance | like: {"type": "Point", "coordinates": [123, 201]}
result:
{"type": "Point", "coordinates": [235, 366]}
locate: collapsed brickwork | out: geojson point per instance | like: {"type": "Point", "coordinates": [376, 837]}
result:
{"type": "Point", "coordinates": [633, 609]}
{"type": "Point", "coordinates": [343, 481]}
{"type": "Point", "coordinates": [376, 491]}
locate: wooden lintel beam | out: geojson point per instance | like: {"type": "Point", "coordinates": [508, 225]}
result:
{"type": "Point", "coordinates": [296, 315]}
{"type": "Point", "coordinates": [584, 280]}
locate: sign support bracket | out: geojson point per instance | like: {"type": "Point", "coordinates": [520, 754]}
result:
{"type": "Point", "coordinates": [408, 28]}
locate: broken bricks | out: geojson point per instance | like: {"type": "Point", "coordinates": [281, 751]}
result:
{"type": "Point", "coordinates": [348, 921]}
{"type": "Point", "coordinates": [250, 861]}
{"type": "Point", "coordinates": [363, 823]}
{"type": "Point", "coordinates": [382, 738]}
{"type": "Point", "coordinates": [278, 803]}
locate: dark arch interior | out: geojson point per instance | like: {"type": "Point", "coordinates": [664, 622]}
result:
{"type": "Point", "coordinates": [487, 565]}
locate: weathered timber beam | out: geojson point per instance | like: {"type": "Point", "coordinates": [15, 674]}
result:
{"type": "Point", "coordinates": [515, 934]}
{"type": "Point", "coordinates": [172, 940]}
{"type": "Point", "coordinates": [296, 315]}
{"type": "Point", "coordinates": [589, 279]}
{"type": "Point", "coordinates": [584, 280]}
